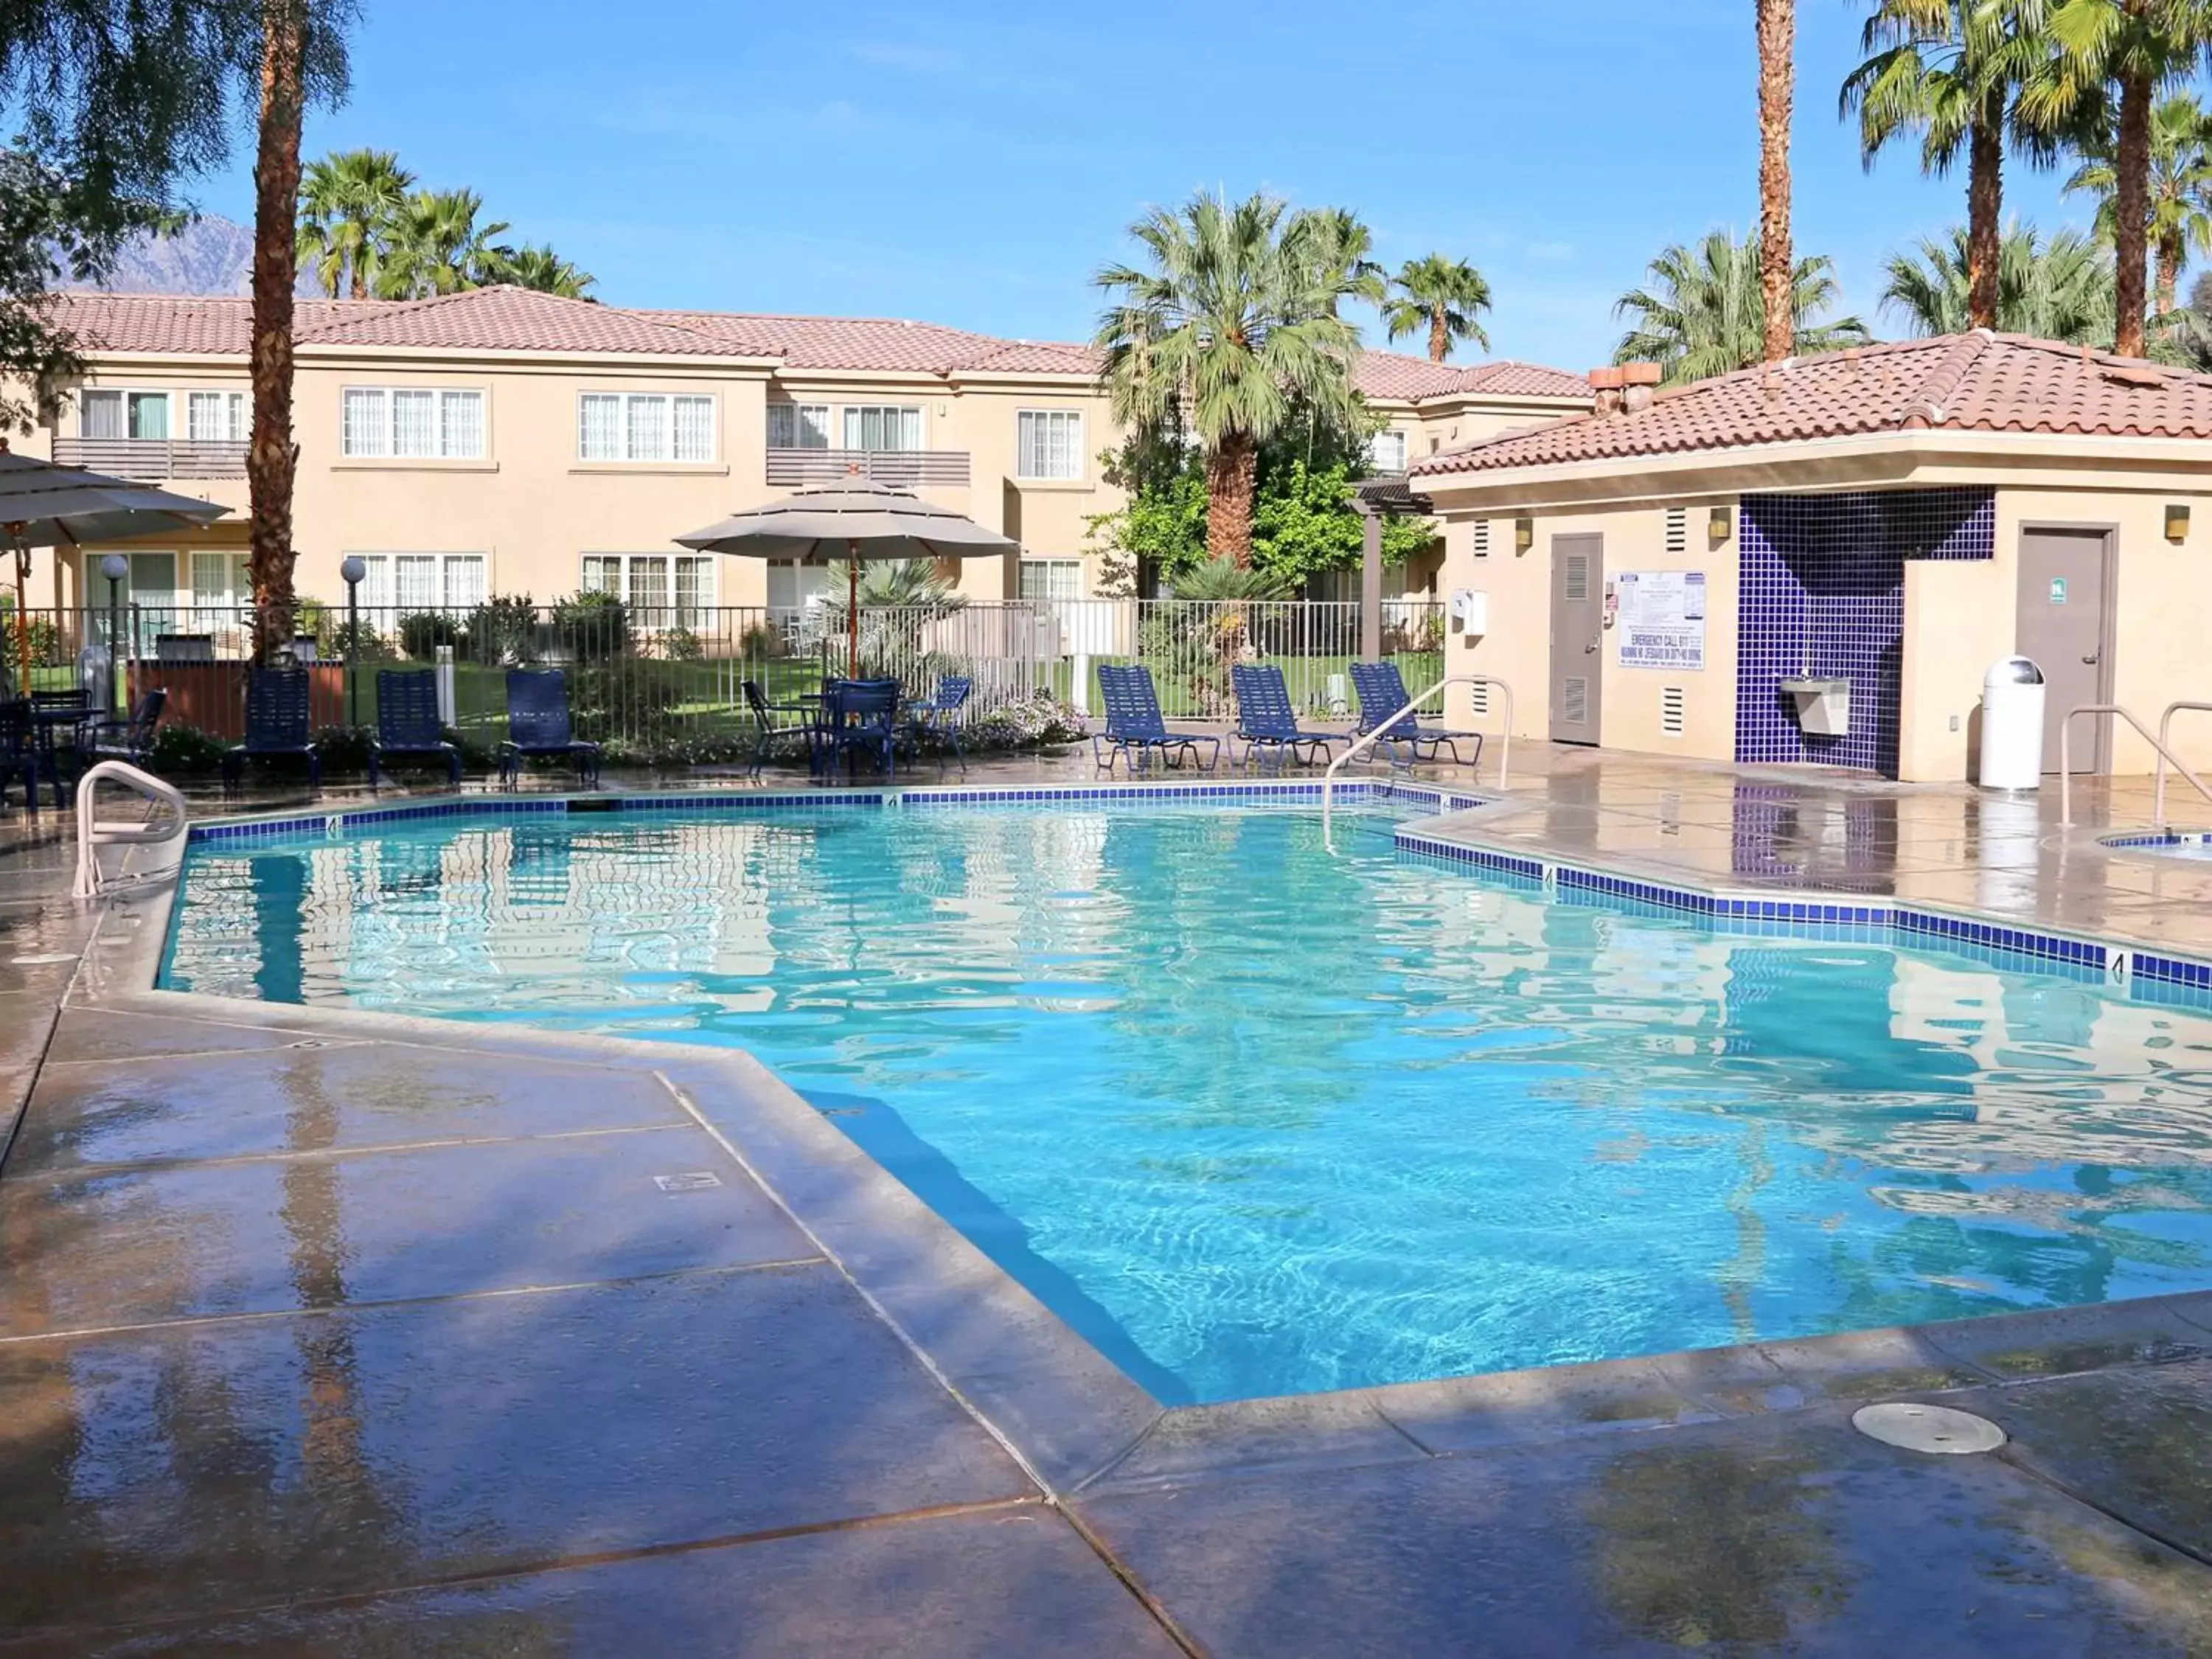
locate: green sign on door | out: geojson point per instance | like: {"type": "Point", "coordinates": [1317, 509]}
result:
{"type": "Point", "coordinates": [2058, 590]}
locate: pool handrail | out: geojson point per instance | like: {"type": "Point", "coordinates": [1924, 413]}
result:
{"type": "Point", "coordinates": [2165, 727]}
{"type": "Point", "coordinates": [1368, 740]}
{"type": "Point", "coordinates": [92, 834]}
{"type": "Point", "coordinates": [2066, 760]}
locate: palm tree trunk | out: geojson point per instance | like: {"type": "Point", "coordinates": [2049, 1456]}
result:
{"type": "Point", "coordinates": [270, 457]}
{"type": "Point", "coordinates": [1232, 472]}
{"type": "Point", "coordinates": [1985, 212]}
{"type": "Point", "coordinates": [2132, 213]}
{"type": "Point", "coordinates": [2168, 287]}
{"type": "Point", "coordinates": [1778, 29]}
{"type": "Point", "coordinates": [1439, 334]}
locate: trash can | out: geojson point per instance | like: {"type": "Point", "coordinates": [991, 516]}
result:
{"type": "Point", "coordinates": [2012, 725]}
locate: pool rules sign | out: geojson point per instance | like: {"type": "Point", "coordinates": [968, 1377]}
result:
{"type": "Point", "coordinates": [1663, 618]}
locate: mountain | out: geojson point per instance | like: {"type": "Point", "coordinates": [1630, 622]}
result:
{"type": "Point", "coordinates": [211, 255]}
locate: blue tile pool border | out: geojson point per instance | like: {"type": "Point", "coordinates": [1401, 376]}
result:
{"type": "Point", "coordinates": [2158, 976]}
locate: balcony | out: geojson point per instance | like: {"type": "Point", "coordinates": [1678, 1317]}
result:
{"type": "Point", "coordinates": [152, 458]}
{"type": "Point", "coordinates": [901, 469]}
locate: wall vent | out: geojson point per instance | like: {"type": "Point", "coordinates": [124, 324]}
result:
{"type": "Point", "coordinates": [1574, 701]}
{"type": "Point", "coordinates": [1479, 694]}
{"type": "Point", "coordinates": [1670, 710]}
{"type": "Point", "coordinates": [1578, 577]}
{"type": "Point", "coordinates": [1678, 529]}
{"type": "Point", "coordinates": [1482, 538]}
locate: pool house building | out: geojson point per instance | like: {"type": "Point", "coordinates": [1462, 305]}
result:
{"type": "Point", "coordinates": [1817, 561]}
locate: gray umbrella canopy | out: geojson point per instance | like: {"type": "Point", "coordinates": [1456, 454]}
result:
{"type": "Point", "coordinates": [853, 521]}
{"type": "Point", "coordinates": [856, 520]}
{"type": "Point", "coordinates": [42, 505]}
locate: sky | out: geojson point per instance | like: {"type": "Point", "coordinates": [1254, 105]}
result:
{"type": "Point", "coordinates": [976, 162]}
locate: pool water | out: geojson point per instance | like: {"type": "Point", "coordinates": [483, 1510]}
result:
{"type": "Point", "coordinates": [1257, 1119]}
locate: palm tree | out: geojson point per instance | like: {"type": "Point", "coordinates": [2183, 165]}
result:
{"type": "Point", "coordinates": [1776, 23]}
{"type": "Point", "coordinates": [910, 584]}
{"type": "Point", "coordinates": [1703, 311]}
{"type": "Point", "coordinates": [1340, 243]}
{"type": "Point", "coordinates": [1228, 332]}
{"type": "Point", "coordinates": [2180, 189]}
{"type": "Point", "coordinates": [2120, 55]}
{"type": "Point", "coordinates": [2058, 290]}
{"type": "Point", "coordinates": [541, 268]}
{"type": "Point", "coordinates": [438, 246]}
{"type": "Point", "coordinates": [1445, 296]}
{"type": "Point", "coordinates": [349, 203]}
{"type": "Point", "coordinates": [269, 454]}
{"type": "Point", "coordinates": [1947, 69]}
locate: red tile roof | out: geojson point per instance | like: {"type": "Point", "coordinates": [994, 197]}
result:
{"type": "Point", "coordinates": [1978, 382]}
{"type": "Point", "coordinates": [517, 319]}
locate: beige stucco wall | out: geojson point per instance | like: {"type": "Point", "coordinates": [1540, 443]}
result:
{"type": "Point", "coordinates": [1516, 646]}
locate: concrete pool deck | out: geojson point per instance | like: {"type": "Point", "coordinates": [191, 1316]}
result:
{"type": "Point", "coordinates": [332, 1332]}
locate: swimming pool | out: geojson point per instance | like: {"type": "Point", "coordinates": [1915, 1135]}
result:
{"type": "Point", "coordinates": [1259, 1121]}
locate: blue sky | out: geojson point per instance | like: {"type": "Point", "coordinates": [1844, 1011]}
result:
{"type": "Point", "coordinates": [974, 163]}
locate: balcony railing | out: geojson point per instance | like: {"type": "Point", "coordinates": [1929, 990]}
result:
{"type": "Point", "coordinates": [154, 458]}
{"type": "Point", "coordinates": [901, 469]}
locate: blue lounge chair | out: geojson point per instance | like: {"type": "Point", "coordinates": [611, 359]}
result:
{"type": "Point", "coordinates": [25, 754]}
{"type": "Point", "coordinates": [277, 724]}
{"type": "Point", "coordinates": [131, 738]}
{"type": "Point", "coordinates": [1268, 723]}
{"type": "Point", "coordinates": [858, 717]}
{"type": "Point", "coordinates": [538, 726]}
{"type": "Point", "coordinates": [937, 718]}
{"type": "Point", "coordinates": [1133, 723]}
{"type": "Point", "coordinates": [1382, 694]}
{"type": "Point", "coordinates": [408, 726]}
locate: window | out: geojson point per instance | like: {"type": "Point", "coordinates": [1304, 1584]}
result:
{"type": "Point", "coordinates": [791, 585]}
{"type": "Point", "coordinates": [412, 422]}
{"type": "Point", "coordinates": [663, 590]}
{"type": "Point", "coordinates": [219, 582]}
{"type": "Point", "coordinates": [216, 417]}
{"type": "Point", "coordinates": [1386, 452]}
{"type": "Point", "coordinates": [110, 413]}
{"type": "Point", "coordinates": [1047, 444]}
{"type": "Point", "coordinates": [1052, 579]}
{"type": "Point", "coordinates": [421, 581]}
{"type": "Point", "coordinates": [798, 426]}
{"type": "Point", "coordinates": [869, 426]}
{"type": "Point", "coordinates": [644, 426]}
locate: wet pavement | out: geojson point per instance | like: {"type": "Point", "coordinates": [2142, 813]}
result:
{"type": "Point", "coordinates": [323, 1332]}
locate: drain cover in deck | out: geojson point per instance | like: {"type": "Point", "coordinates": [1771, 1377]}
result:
{"type": "Point", "coordinates": [691, 1181]}
{"type": "Point", "coordinates": [1927, 1428]}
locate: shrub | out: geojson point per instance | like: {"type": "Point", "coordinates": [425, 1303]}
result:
{"type": "Point", "coordinates": [680, 644]}
{"type": "Point", "coordinates": [504, 630]}
{"type": "Point", "coordinates": [181, 750]}
{"type": "Point", "coordinates": [342, 748]}
{"type": "Point", "coordinates": [592, 627]}
{"type": "Point", "coordinates": [422, 632]}
{"type": "Point", "coordinates": [762, 642]}
{"type": "Point", "coordinates": [334, 640]}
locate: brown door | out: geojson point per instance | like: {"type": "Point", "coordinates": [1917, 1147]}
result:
{"type": "Point", "coordinates": [2063, 628]}
{"type": "Point", "coordinates": [1577, 636]}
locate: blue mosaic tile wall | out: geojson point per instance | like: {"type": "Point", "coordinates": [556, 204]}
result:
{"type": "Point", "coordinates": [1823, 593]}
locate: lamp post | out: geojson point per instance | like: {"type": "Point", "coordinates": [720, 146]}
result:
{"type": "Point", "coordinates": [115, 568]}
{"type": "Point", "coordinates": [352, 570]}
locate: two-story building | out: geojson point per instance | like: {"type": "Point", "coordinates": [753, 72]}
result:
{"type": "Point", "coordinates": [505, 442]}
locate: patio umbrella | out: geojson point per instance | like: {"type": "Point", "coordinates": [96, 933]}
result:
{"type": "Point", "coordinates": [44, 505]}
{"type": "Point", "coordinates": [850, 521]}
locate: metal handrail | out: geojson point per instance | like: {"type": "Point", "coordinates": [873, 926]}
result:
{"type": "Point", "coordinates": [1368, 741]}
{"type": "Point", "coordinates": [2165, 724]}
{"type": "Point", "coordinates": [2066, 758]}
{"type": "Point", "coordinates": [91, 833]}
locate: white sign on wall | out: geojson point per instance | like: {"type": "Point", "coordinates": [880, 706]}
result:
{"type": "Point", "coordinates": [1663, 618]}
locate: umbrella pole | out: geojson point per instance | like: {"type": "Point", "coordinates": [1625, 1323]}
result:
{"type": "Point", "coordinates": [853, 600]}
{"type": "Point", "coordinates": [22, 624]}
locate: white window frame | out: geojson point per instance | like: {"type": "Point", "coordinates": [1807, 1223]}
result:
{"type": "Point", "coordinates": [1396, 441]}
{"type": "Point", "coordinates": [650, 616]}
{"type": "Point", "coordinates": [380, 585]}
{"type": "Point", "coordinates": [1052, 568]}
{"type": "Point", "coordinates": [848, 412]}
{"type": "Point", "coordinates": [237, 410]}
{"type": "Point", "coordinates": [623, 430]}
{"type": "Point", "coordinates": [378, 445]}
{"type": "Point", "coordinates": [1077, 461]}
{"type": "Point", "coordinates": [791, 417]}
{"type": "Point", "coordinates": [128, 393]}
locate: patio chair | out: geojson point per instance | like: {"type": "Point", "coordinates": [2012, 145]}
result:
{"type": "Point", "coordinates": [408, 726]}
{"type": "Point", "coordinates": [858, 717]}
{"type": "Point", "coordinates": [1382, 693]}
{"type": "Point", "coordinates": [538, 726]}
{"type": "Point", "coordinates": [24, 753]}
{"type": "Point", "coordinates": [277, 724]}
{"type": "Point", "coordinates": [765, 729]}
{"type": "Point", "coordinates": [1268, 723]}
{"type": "Point", "coordinates": [131, 738]}
{"type": "Point", "coordinates": [937, 718]}
{"type": "Point", "coordinates": [1133, 723]}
